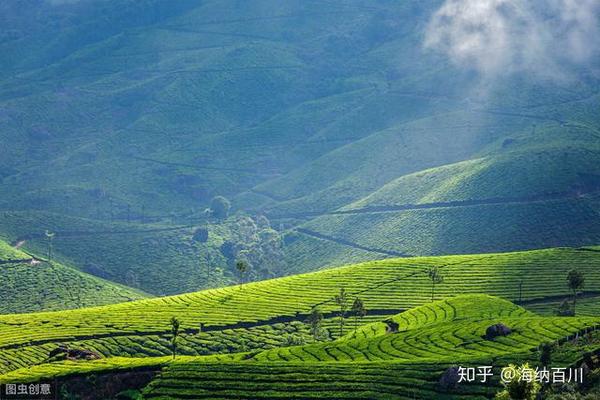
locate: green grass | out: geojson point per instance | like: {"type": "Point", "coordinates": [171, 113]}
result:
{"type": "Point", "coordinates": [302, 380]}
{"type": "Point", "coordinates": [476, 228]}
{"type": "Point", "coordinates": [525, 195]}
{"type": "Point", "coordinates": [585, 306]}
{"type": "Point", "coordinates": [30, 286]}
{"type": "Point", "coordinates": [543, 171]}
{"type": "Point", "coordinates": [8, 252]}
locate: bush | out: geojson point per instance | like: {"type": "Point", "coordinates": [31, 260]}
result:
{"type": "Point", "coordinates": [201, 235]}
{"type": "Point", "coordinates": [519, 388]}
{"type": "Point", "coordinates": [220, 206]}
{"type": "Point", "coordinates": [497, 330]}
{"type": "Point", "coordinates": [449, 379]}
{"type": "Point", "coordinates": [565, 309]}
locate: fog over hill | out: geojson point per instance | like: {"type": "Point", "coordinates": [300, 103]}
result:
{"type": "Point", "coordinates": [361, 129]}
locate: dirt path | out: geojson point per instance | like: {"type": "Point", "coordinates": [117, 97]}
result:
{"type": "Point", "coordinates": [351, 244]}
{"type": "Point", "coordinates": [23, 239]}
{"type": "Point", "coordinates": [448, 204]}
{"type": "Point", "coordinates": [591, 294]}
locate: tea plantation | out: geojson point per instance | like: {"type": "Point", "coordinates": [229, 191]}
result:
{"type": "Point", "coordinates": [404, 365]}
{"type": "Point", "coordinates": [268, 318]}
{"type": "Point", "coordinates": [30, 284]}
{"type": "Point", "coordinates": [367, 364]}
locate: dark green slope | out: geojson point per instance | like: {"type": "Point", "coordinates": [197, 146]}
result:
{"type": "Point", "coordinates": [155, 258]}
{"type": "Point", "coordinates": [524, 196]}
{"type": "Point", "coordinates": [171, 112]}
{"type": "Point", "coordinates": [301, 110]}
{"type": "Point", "coordinates": [30, 284]}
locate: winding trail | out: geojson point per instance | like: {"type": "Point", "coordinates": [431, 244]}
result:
{"type": "Point", "coordinates": [351, 244]}
{"type": "Point", "coordinates": [22, 239]}
{"type": "Point", "coordinates": [540, 198]}
{"type": "Point", "coordinates": [590, 294]}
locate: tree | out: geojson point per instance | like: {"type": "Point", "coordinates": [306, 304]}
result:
{"type": "Point", "coordinates": [359, 310]}
{"type": "Point", "coordinates": [341, 300]}
{"type": "Point", "coordinates": [315, 319]}
{"type": "Point", "coordinates": [49, 238]}
{"type": "Point", "coordinates": [546, 354]}
{"type": "Point", "coordinates": [436, 278]}
{"type": "Point", "coordinates": [219, 207]}
{"type": "Point", "coordinates": [519, 388]}
{"type": "Point", "coordinates": [174, 335]}
{"type": "Point", "coordinates": [575, 281]}
{"type": "Point", "coordinates": [241, 266]}
{"type": "Point", "coordinates": [201, 235]}
{"type": "Point", "coordinates": [564, 309]}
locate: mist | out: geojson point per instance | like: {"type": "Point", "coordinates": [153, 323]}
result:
{"type": "Point", "coordinates": [544, 38]}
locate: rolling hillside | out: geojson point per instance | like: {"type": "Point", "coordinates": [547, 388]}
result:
{"type": "Point", "coordinates": [30, 284]}
{"type": "Point", "coordinates": [519, 196]}
{"type": "Point", "coordinates": [318, 115]}
{"type": "Point", "coordinates": [270, 313]}
{"type": "Point", "coordinates": [197, 197]}
{"type": "Point", "coordinates": [400, 366]}
{"type": "Point", "coordinates": [367, 364]}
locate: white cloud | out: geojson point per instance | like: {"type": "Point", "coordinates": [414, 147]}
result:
{"type": "Point", "coordinates": [497, 37]}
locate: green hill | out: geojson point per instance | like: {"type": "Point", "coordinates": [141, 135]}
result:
{"type": "Point", "coordinates": [271, 313]}
{"type": "Point", "coordinates": [521, 196]}
{"type": "Point", "coordinates": [369, 364]}
{"type": "Point", "coordinates": [400, 366]}
{"type": "Point", "coordinates": [136, 113]}
{"type": "Point", "coordinates": [30, 284]}
{"type": "Point", "coordinates": [160, 257]}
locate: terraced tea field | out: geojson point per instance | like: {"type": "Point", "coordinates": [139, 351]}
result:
{"type": "Point", "coordinates": [308, 380]}
{"type": "Point", "coordinates": [445, 331]}
{"type": "Point", "coordinates": [374, 364]}
{"type": "Point", "coordinates": [133, 254]}
{"type": "Point", "coordinates": [482, 227]}
{"type": "Point", "coordinates": [271, 314]}
{"type": "Point", "coordinates": [368, 364]}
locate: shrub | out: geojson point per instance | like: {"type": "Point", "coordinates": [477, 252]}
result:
{"type": "Point", "coordinates": [220, 206]}
{"type": "Point", "coordinates": [201, 235]}
{"type": "Point", "coordinates": [520, 388]}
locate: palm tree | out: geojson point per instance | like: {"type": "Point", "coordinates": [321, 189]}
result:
{"type": "Point", "coordinates": [49, 238]}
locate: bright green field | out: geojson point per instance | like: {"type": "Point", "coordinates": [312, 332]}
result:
{"type": "Point", "coordinates": [366, 364]}
{"type": "Point", "coordinates": [253, 312]}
